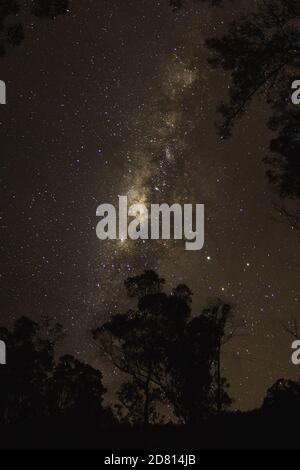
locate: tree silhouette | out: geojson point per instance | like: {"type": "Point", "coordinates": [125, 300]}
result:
{"type": "Point", "coordinates": [283, 398]}
{"type": "Point", "coordinates": [132, 405]}
{"type": "Point", "coordinates": [179, 4]}
{"type": "Point", "coordinates": [24, 379]}
{"type": "Point", "coordinates": [62, 402]}
{"type": "Point", "coordinates": [12, 32]}
{"type": "Point", "coordinates": [132, 341]}
{"type": "Point", "coordinates": [168, 356]}
{"type": "Point", "coordinates": [33, 387]}
{"type": "Point", "coordinates": [49, 8]}
{"type": "Point", "coordinates": [261, 51]}
{"type": "Point", "coordinates": [196, 387]}
{"type": "Point", "coordinates": [77, 392]}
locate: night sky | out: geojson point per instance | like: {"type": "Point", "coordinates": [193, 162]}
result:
{"type": "Point", "coordinates": [117, 98]}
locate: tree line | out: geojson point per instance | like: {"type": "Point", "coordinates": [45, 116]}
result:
{"type": "Point", "coordinates": [171, 360]}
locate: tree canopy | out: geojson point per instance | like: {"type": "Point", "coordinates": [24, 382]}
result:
{"type": "Point", "coordinates": [12, 31]}
{"type": "Point", "coordinates": [169, 356]}
{"type": "Point", "coordinates": [261, 52]}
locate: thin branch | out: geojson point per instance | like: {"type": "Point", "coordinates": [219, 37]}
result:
{"type": "Point", "coordinates": [291, 331]}
{"type": "Point", "coordinates": [255, 90]}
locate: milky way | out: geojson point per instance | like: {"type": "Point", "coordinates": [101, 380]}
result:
{"type": "Point", "coordinates": [117, 98]}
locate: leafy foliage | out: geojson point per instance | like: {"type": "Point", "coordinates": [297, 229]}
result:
{"type": "Point", "coordinates": [179, 4]}
{"type": "Point", "coordinates": [261, 51]}
{"type": "Point", "coordinates": [34, 387]}
{"type": "Point", "coordinates": [283, 397]}
{"type": "Point", "coordinates": [168, 355]}
{"type": "Point", "coordinates": [49, 8]}
{"type": "Point", "coordinates": [12, 31]}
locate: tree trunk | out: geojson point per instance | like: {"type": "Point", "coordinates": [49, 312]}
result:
{"type": "Point", "coordinates": [147, 398]}
{"type": "Point", "coordinates": [219, 384]}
